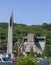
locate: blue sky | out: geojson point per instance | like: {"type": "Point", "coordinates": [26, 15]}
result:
{"type": "Point", "coordinates": [28, 12]}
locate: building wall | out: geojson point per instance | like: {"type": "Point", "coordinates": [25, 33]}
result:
{"type": "Point", "coordinates": [37, 46]}
{"type": "Point", "coordinates": [30, 37]}
{"type": "Point", "coordinates": [42, 44]}
{"type": "Point", "coordinates": [28, 45]}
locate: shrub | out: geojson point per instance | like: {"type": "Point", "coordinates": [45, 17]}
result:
{"type": "Point", "coordinates": [50, 63]}
{"type": "Point", "coordinates": [27, 61]}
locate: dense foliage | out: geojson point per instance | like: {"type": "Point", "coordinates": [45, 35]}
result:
{"type": "Point", "coordinates": [21, 30]}
{"type": "Point", "coordinates": [27, 61]}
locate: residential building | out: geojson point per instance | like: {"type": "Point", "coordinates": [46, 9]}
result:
{"type": "Point", "coordinates": [37, 43]}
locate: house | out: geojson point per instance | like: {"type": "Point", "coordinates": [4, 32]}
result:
{"type": "Point", "coordinates": [20, 48]}
{"type": "Point", "coordinates": [36, 43]}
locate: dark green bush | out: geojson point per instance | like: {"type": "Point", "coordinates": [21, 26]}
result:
{"type": "Point", "coordinates": [27, 61]}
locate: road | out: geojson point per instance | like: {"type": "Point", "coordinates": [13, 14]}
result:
{"type": "Point", "coordinates": [7, 63]}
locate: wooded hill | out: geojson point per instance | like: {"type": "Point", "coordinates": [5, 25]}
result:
{"type": "Point", "coordinates": [21, 30]}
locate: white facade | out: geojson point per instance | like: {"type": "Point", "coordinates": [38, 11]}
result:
{"type": "Point", "coordinates": [10, 36]}
{"type": "Point", "coordinates": [37, 46]}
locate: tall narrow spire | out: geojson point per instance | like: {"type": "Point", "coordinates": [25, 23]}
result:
{"type": "Point", "coordinates": [11, 19]}
{"type": "Point", "coordinates": [10, 35]}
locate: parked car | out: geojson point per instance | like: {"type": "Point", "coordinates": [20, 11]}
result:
{"type": "Point", "coordinates": [5, 59]}
{"type": "Point", "coordinates": [14, 60]}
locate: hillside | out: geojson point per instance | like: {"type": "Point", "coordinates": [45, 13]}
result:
{"type": "Point", "coordinates": [21, 30]}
